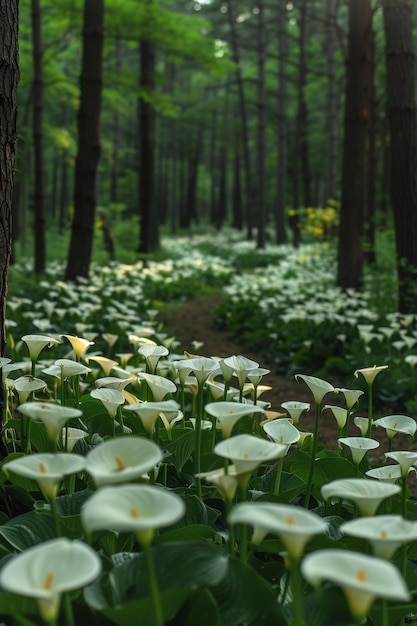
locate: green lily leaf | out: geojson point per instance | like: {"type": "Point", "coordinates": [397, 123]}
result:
{"type": "Point", "coordinates": [200, 608]}
{"type": "Point", "coordinates": [28, 530]}
{"type": "Point", "coordinates": [195, 532]}
{"type": "Point", "coordinates": [141, 611]}
{"type": "Point", "coordinates": [182, 447]}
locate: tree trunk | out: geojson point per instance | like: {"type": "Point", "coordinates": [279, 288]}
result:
{"type": "Point", "coordinates": [237, 191]}
{"type": "Point", "coordinates": [39, 197]}
{"type": "Point", "coordinates": [82, 233]}
{"type": "Point", "coordinates": [370, 207]}
{"type": "Point", "coordinates": [243, 119]}
{"type": "Point", "coordinates": [9, 78]}
{"type": "Point", "coordinates": [351, 229]}
{"type": "Point", "coordinates": [401, 106]}
{"type": "Point", "coordinates": [332, 103]}
{"type": "Point", "coordinates": [114, 176]}
{"type": "Point", "coordinates": [280, 230]}
{"type": "Point", "coordinates": [148, 234]}
{"type": "Point", "coordinates": [261, 169]}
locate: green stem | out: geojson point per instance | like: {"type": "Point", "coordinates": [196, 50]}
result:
{"type": "Point", "coordinates": [313, 455]}
{"type": "Point", "coordinates": [55, 516]}
{"type": "Point", "coordinates": [199, 418]}
{"type": "Point", "coordinates": [384, 613]}
{"type": "Point", "coordinates": [243, 553]}
{"type": "Point", "coordinates": [153, 585]}
{"type": "Point", "coordinates": [368, 432]}
{"type": "Point", "coordinates": [69, 615]}
{"type": "Point", "coordinates": [296, 594]}
{"type": "Point", "coordinates": [280, 464]}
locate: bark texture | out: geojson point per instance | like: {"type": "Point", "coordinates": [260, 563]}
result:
{"type": "Point", "coordinates": [9, 78]}
{"type": "Point", "coordinates": [89, 147]}
{"type": "Point", "coordinates": [398, 21]}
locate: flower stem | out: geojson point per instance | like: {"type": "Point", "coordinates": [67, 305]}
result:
{"type": "Point", "coordinates": [199, 418]}
{"type": "Point", "coordinates": [313, 455]}
{"type": "Point", "coordinates": [368, 432]}
{"type": "Point", "coordinates": [153, 585]}
{"type": "Point", "coordinates": [280, 463]}
{"type": "Point", "coordinates": [69, 615]}
{"type": "Point", "coordinates": [296, 594]}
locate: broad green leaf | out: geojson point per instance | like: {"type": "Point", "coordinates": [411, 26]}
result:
{"type": "Point", "coordinates": [182, 448]}
{"type": "Point", "coordinates": [28, 530]}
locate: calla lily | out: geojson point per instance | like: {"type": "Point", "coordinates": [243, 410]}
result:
{"type": "Point", "coordinates": [351, 396]}
{"type": "Point", "coordinates": [48, 470]}
{"type": "Point", "coordinates": [293, 524]}
{"type": "Point", "coordinates": [66, 368]}
{"type": "Point", "coordinates": [229, 413]}
{"type": "Point", "coordinates": [397, 424]}
{"type": "Point", "coordinates": [70, 436]}
{"type": "Point", "coordinates": [158, 385]}
{"type": "Point", "coordinates": [104, 362]}
{"type": "Point", "coordinates": [226, 483]}
{"type": "Point", "coordinates": [241, 366]}
{"type": "Point", "coordinates": [404, 458]}
{"type": "Point", "coordinates": [149, 412]}
{"type": "Point", "coordinates": [247, 452]}
{"type": "Point", "coordinates": [281, 431]}
{"type": "Point", "coordinates": [114, 382]}
{"type": "Point", "coordinates": [152, 355]}
{"type": "Point", "coordinates": [366, 494]}
{"type": "Point", "coordinates": [370, 373]}
{"type": "Point", "coordinates": [140, 509]}
{"type": "Point", "coordinates": [226, 370]}
{"type": "Point", "coordinates": [339, 413]}
{"type": "Point", "coordinates": [110, 339]}
{"type": "Point", "coordinates": [122, 459]}
{"type": "Point", "coordinates": [362, 423]}
{"type": "Point", "coordinates": [388, 473]}
{"type": "Point", "coordinates": [362, 578]}
{"type": "Point", "coordinates": [318, 387]}
{"type": "Point", "coordinates": [385, 533]}
{"type": "Point", "coordinates": [78, 344]}
{"type": "Point", "coordinates": [48, 570]}
{"type": "Point", "coordinates": [295, 409]}
{"type": "Point", "coordinates": [111, 399]}
{"type": "Point", "coordinates": [36, 343]}
{"type": "Point", "coordinates": [53, 416]}
{"type": "Point", "coordinates": [255, 376]}
{"type": "Point", "coordinates": [25, 385]}
{"type": "Point", "coordinates": [358, 446]}
{"type": "Point", "coordinates": [201, 366]}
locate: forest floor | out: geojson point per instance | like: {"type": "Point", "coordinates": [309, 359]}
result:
{"type": "Point", "coordinates": [193, 321]}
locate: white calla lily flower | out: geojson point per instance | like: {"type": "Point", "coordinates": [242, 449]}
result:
{"type": "Point", "coordinates": [53, 416]}
{"type": "Point", "coordinates": [158, 385]}
{"type": "Point", "coordinates": [78, 344]}
{"type": "Point", "coordinates": [318, 387]}
{"type": "Point", "coordinates": [122, 459]}
{"type": "Point", "coordinates": [149, 412]}
{"type": "Point", "coordinates": [358, 446]}
{"type": "Point", "coordinates": [362, 578]}
{"type": "Point", "coordinates": [140, 509]}
{"type": "Point", "coordinates": [36, 343]}
{"type": "Point", "coordinates": [294, 525]}
{"type": "Point", "coordinates": [247, 452]}
{"type": "Point", "coordinates": [25, 385]}
{"type": "Point", "coordinates": [370, 373]}
{"type": "Point", "coordinates": [404, 458]}
{"type": "Point", "coordinates": [229, 413]}
{"type": "Point", "coordinates": [366, 494]}
{"type": "Point", "coordinates": [241, 366]}
{"type": "Point", "coordinates": [385, 533]}
{"type": "Point", "coordinates": [48, 570]}
{"type": "Point", "coordinates": [104, 362]}
{"type": "Point", "coordinates": [295, 409]}
{"type": "Point", "coordinates": [110, 398]}
{"type": "Point", "coordinates": [282, 431]}
{"type": "Point", "coordinates": [48, 470]}
{"type": "Point", "coordinates": [394, 424]}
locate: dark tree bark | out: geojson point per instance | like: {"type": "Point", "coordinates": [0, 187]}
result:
{"type": "Point", "coordinates": [9, 78]}
{"type": "Point", "coordinates": [243, 119]}
{"type": "Point", "coordinates": [39, 196]}
{"type": "Point", "coordinates": [261, 169]}
{"type": "Point", "coordinates": [148, 220]}
{"type": "Point", "coordinates": [89, 148]}
{"type": "Point", "coordinates": [370, 207]}
{"type": "Point", "coordinates": [350, 249]}
{"type": "Point", "coordinates": [280, 230]}
{"type": "Point", "coordinates": [189, 211]}
{"type": "Point", "coordinates": [332, 103]}
{"type": "Point", "coordinates": [114, 176]}
{"type": "Point", "coordinates": [237, 191]}
{"type": "Point", "coordinates": [401, 107]}
{"type": "Point", "coordinates": [301, 165]}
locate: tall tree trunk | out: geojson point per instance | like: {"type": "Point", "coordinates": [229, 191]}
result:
{"type": "Point", "coordinates": [9, 78]}
{"type": "Point", "coordinates": [370, 207]}
{"type": "Point", "coordinates": [332, 103]}
{"type": "Point", "coordinates": [300, 141]}
{"type": "Point", "coordinates": [351, 229]}
{"type": "Point", "coordinates": [148, 235]}
{"type": "Point", "coordinates": [401, 106]}
{"type": "Point", "coordinates": [114, 176]}
{"type": "Point", "coordinates": [237, 190]}
{"type": "Point", "coordinates": [261, 169]}
{"type": "Point", "coordinates": [189, 212]}
{"type": "Point", "coordinates": [89, 148]}
{"type": "Point", "coordinates": [243, 119]}
{"type": "Point", "coordinates": [280, 230]}
{"type": "Point", "coordinates": [39, 197]}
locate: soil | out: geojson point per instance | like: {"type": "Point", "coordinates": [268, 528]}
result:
{"type": "Point", "coordinates": [192, 323]}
